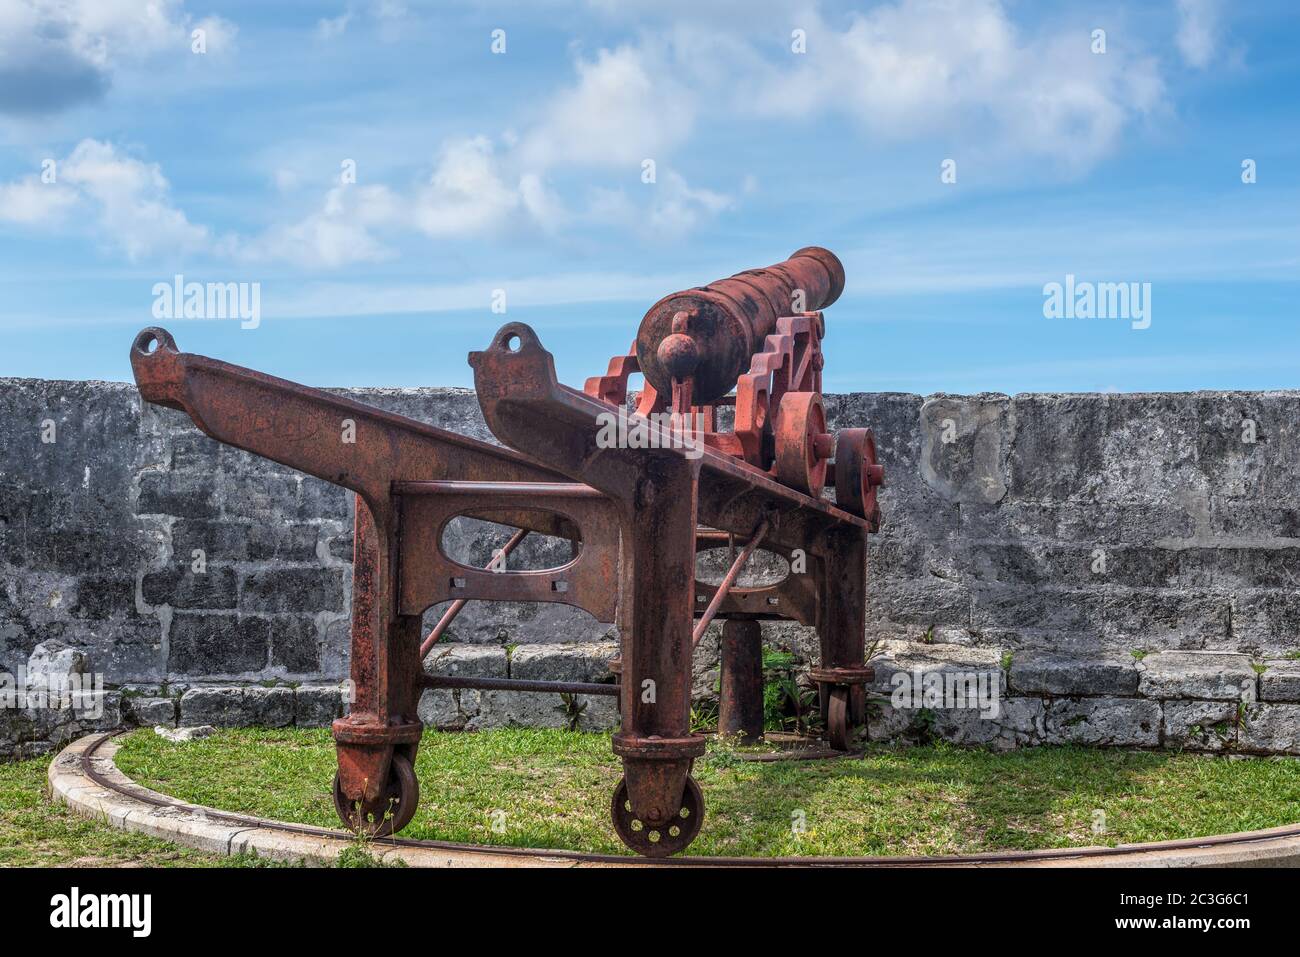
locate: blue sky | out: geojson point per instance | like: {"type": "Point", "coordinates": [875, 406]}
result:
{"type": "Point", "coordinates": [523, 171]}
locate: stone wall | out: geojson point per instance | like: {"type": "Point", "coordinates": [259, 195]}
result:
{"type": "Point", "coordinates": [1089, 549]}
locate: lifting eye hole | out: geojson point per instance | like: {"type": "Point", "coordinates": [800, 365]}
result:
{"type": "Point", "coordinates": [512, 342]}
{"type": "Point", "coordinates": [152, 340]}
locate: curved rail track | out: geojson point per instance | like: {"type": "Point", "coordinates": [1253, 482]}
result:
{"type": "Point", "coordinates": [1279, 845]}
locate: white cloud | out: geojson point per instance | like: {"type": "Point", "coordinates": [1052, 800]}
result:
{"type": "Point", "coordinates": [625, 107]}
{"type": "Point", "coordinates": [286, 179]}
{"type": "Point", "coordinates": [102, 31]}
{"type": "Point", "coordinates": [219, 35]}
{"type": "Point", "coordinates": [466, 192]}
{"type": "Point", "coordinates": [390, 9]}
{"type": "Point", "coordinates": [337, 234]}
{"type": "Point", "coordinates": [55, 54]}
{"type": "Point", "coordinates": [542, 204]}
{"type": "Point", "coordinates": [124, 200]}
{"type": "Point", "coordinates": [910, 69]}
{"type": "Point", "coordinates": [130, 201]}
{"type": "Point", "coordinates": [34, 203]}
{"type": "Point", "coordinates": [961, 69]}
{"type": "Point", "coordinates": [672, 207]}
{"type": "Point", "coordinates": [907, 70]}
{"type": "Point", "coordinates": [327, 28]}
{"type": "Point", "coordinates": [679, 208]}
{"type": "Point", "coordinates": [1198, 31]}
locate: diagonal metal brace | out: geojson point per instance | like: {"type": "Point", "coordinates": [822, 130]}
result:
{"type": "Point", "coordinates": [727, 582]}
{"type": "Point", "coordinates": [454, 609]}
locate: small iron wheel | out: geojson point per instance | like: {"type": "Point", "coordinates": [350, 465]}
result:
{"type": "Point", "coordinates": [839, 718]}
{"type": "Point", "coordinates": [800, 421]}
{"type": "Point", "coordinates": [660, 840]}
{"type": "Point", "coordinates": [857, 473]}
{"type": "Point", "coordinates": [391, 812]}
{"type": "Point", "coordinates": [858, 705]}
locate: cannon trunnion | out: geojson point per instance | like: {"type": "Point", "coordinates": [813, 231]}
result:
{"type": "Point", "coordinates": [747, 349]}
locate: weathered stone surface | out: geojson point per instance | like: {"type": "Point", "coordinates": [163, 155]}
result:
{"type": "Point", "coordinates": [54, 666]}
{"type": "Point", "coordinates": [1267, 620]}
{"type": "Point", "coordinates": [567, 662]}
{"type": "Point", "coordinates": [1271, 729]}
{"type": "Point", "coordinates": [1281, 680]}
{"type": "Point", "coordinates": [1201, 725]}
{"type": "Point", "coordinates": [316, 706]}
{"type": "Point", "coordinates": [1058, 447]}
{"type": "Point", "coordinates": [1017, 723]}
{"type": "Point", "coordinates": [1173, 619]}
{"type": "Point", "coordinates": [36, 729]}
{"type": "Point", "coordinates": [448, 709]}
{"type": "Point", "coordinates": [1187, 674]}
{"type": "Point", "coordinates": [1044, 608]}
{"type": "Point", "coordinates": [181, 735]}
{"type": "Point", "coordinates": [457, 658]}
{"type": "Point", "coordinates": [181, 588]}
{"type": "Point", "coordinates": [527, 709]}
{"type": "Point", "coordinates": [991, 542]}
{"type": "Point", "coordinates": [1037, 674]}
{"type": "Point", "coordinates": [472, 709]}
{"type": "Point", "coordinates": [921, 603]}
{"type": "Point", "coordinates": [963, 447]}
{"type": "Point", "coordinates": [206, 644]}
{"type": "Point", "coordinates": [292, 590]}
{"type": "Point", "coordinates": [238, 707]}
{"type": "Point", "coordinates": [917, 658]}
{"type": "Point", "coordinates": [1122, 722]}
{"type": "Point", "coordinates": [151, 712]}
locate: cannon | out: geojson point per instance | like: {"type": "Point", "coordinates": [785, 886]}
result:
{"type": "Point", "coordinates": [635, 512]}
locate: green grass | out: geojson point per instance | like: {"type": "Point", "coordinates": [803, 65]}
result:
{"type": "Point", "coordinates": [551, 789]}
{"type": "Point", "coordinates": [34, 832]}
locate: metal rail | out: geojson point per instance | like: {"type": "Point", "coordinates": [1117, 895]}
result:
{"type": "Point", "coordinates": [519, 684]}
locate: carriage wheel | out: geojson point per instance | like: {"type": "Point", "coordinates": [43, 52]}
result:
{"type": "Point", "coordinates": [857, 473]}
{"type": "Point", "coordinates": [801, 442]}
{"type": "Point", "coordinates": [658, 840]}
{"type": "Point", "coordinates": [839, 718]}
{"type": "Point", "coordinates": [393, 809]}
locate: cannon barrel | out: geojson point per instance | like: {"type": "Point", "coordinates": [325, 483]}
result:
{"type": "Point", "coordinates": [710, 333]}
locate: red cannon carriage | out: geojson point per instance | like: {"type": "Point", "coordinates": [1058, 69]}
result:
{"type": "Point", "coordinates": [636, 512]}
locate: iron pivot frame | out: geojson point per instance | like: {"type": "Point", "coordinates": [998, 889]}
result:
{"type": "Point", "coordinates": [410, 479]}
{"type": "Point", "coordinates": [636, 516]}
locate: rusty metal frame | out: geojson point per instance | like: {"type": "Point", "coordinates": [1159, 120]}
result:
{"type": "Point", "coordinates": [636, 518]}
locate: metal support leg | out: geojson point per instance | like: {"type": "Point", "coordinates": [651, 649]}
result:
{"type": "Point", "coordinates": [740, 701]}
{"type": "Point", "coordinates": [375, 790]}
{"type": "Point", "coordinates": [843, 670]}
{"type": "Point", "coordinates": [657, 808]}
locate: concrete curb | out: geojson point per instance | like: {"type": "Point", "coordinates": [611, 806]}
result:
{"type": "Point", "coordinates": [158, 815]}
{"type": "Point", "coordinates": [130, 807]}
